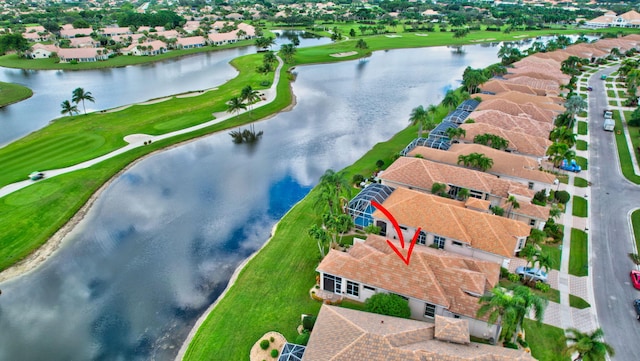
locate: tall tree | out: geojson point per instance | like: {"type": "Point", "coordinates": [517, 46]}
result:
{"type": "Point", "coordinates": [68, 108]}
{"type": "Point", "coordinates": [418, 116]}
{"type": "Point", "coordinates": [574, 105]}
{"type": "Point", "coordinates": [499, 305]}
{"type": "Point", "coordinates": [564, 135]}
{"type": "Point", "coordinates": [333, 187]}
{"type": "Point", "coordinates": [235, 105]}
{"type": "Point", "coordinates": [588, 346]}
{"type": "Point", "coordinates": [450, 100]}
{"type": "Point", "coordinates": [513, 204]}
{"type": "Point", "coordinates": [79, 95]}
{"type": "Point", "coordinates": [472, 78]}
{"type": "Point", "coordinates": [288, 50]}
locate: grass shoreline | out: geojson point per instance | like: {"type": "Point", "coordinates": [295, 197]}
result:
{"type": "Point", "coordinates": [13, 93]}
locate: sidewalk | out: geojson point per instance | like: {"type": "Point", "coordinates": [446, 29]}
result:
{"type": "Point", "coordinates": [140, 140]}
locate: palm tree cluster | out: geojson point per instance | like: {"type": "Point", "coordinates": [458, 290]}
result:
{"type": "Point", "coordinates": [588, 346]}
{"type": "Point", "coordinates": [476, 160]}
{"type": "Point", "coordinates": [456, 133]}
{"type": "Point", "coordinates": [491, 140]}
{"type": "Point", "coordinates": [288, 51]}
{"type": "Point", "coordinates": [78, 95]}
{"type": "Point", "coordinates": [510, 308]}
{"type": "Point", "coordinates": [248, 95]}
{"type": "Point", "coordinates": [268, 61]}
{"type": "Point", "coordinates": [265, 42]}
{"type": "Point", "coordinates": [631, 74]}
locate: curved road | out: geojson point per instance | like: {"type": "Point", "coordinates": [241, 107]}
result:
{"type": "Point", "coordinates": [610, 235]}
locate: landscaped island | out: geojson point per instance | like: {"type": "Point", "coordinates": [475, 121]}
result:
{"type": "Point", "coordinates": [12, 93]}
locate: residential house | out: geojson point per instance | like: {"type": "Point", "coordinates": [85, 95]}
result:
{"type": "Point", "coordinates": [115, 31]}
{"type": "Point", "coordinates": [448, 224]}
{"type": "Point", "coordinates": [421, 174]}
{"type": "Point", "coordinates": [505, 165]}
{"type": "Point", "coordinates": [630, 19]}
{"type": "Point", "coordinates": [550, 103]}
{"type": "Point", "coordinates": [550, 86]}
{"type": "Point", "coordinates": [507, 106]}
{"type": "Point", "coordinates": [127, 39]}
{"type": "Point", "coordinates": [168, 34]}
{"type": "Point", "coordinates": [73, 33]}
{"type": "Point", "coordinates": [149, 48]}
{"type": "Point", "coordinates": [496, 86]}
{"type": "Point", "coordinates": [36, 35]}
{"type": "Point", "coordinates": [519, 142]}
{"type": "Point", "coordinates": [41, 51]}
{"type": "Point", "coordinates": [222, 38]}
{"type": "Point", "coordinates": [191, 42]}
{"type": "Point", "coordinates": [341, 334]}
{"type": "Point", "coordinates": [191, 26]}
{"type": "Point", "coordinates": [82, 55]}
{"type": "Point", "coordinates": [435, 282]}
{"type": "Point", "coordinates": [84, 42]}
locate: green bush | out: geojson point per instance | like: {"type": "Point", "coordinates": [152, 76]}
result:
{"type": "Point", "coordinates": [308, 322]}
{"type": "Point", "coordinates": [303, 338]}
{"type": "Point", "coordinates": [272, 339]}
{"type": "Point", "coordinates": [562, 196]}
{"type": "Point", "coordinates": [512, 345]}
{"type": "Point", "coordinates": [357, 178]}
{"type": "Point", "coordinates": [388, 304]}
{"type": "Point", "coordinates": [504, 273]}
{"type": "Point", "coordinates": [264, 344]}
{"type": "Point", "coordinates": [274, 353]}
{"type": "Point", "coordinates": [513, 277]}
{"type": "Point", "coordinates": [540, 198]}
{"type": "Point", "coordinates": [265, 83]}
{"type": "Point", "coordinates": [544, 287]}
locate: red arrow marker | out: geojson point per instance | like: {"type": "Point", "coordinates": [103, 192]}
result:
{"type": "Point", "coordinates": [388, 214]}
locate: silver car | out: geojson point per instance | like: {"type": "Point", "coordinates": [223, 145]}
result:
{"type": "Point", "coordinates": [531, 274]}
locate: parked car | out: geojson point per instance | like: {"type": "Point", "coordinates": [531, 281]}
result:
{"type": "Point", "coordinates": [36, 175]}
{"type": "Point", "coordinates": [531, 274]}
{"type": "Point", "coordinates": [570, 166]}
{"type": "Point", "coordinates": [589, 88]}
{"type": "Point", "coordinates": [635, 279]}
{"type": "Point", "coordinates": [636, 306]}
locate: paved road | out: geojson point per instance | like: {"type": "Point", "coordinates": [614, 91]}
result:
{"type": "Point", "coordinates": [613, 197]}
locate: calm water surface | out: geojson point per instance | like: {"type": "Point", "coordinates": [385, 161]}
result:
{"type": "Point", "coordinates": [118, 86]}
{"type": "Point", "coordinates": [160, 244]}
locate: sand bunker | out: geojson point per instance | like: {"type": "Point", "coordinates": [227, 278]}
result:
{"type": "Point", "coordinates": [422, 34]}
{"type": "Point", "coordinates": [393, 36]}
{"type": "Point", "coordinates": [341, 55]}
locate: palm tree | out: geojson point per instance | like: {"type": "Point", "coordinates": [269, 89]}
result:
{"type": "Point", "coordinates": [554, 212]}
{"type": "Point", "coordinates": [320, 235]}
{"type": "Point", "coordinates": [483, 162]}
{"type": "Point", "coordinates": [249, 95]}
{"type": "Point", "coordinates": [513, 204]}
{"type": "Point", "coordinates": [500, 307]}
{"type": "Point", "coordinates": [418, 116]}
{"type": "Point", "coordinates": [269, 58]}
{"type": "Point", "coordinates": [431, 111]}
{"type": "Point", "coordinates": [456, 133]}
{"type": "Point", "coordinates": [564, 135]}
{"type": "Point", "coordinates": [588, 346]}
{"type": "Point", "coordinates": [288, 50]}
{"type": "Point", "coordinates": [450, 99]}
{"type": "Point", "coordinates": [463, 194]}
{"type": "Point", "coordinates": [544, 261]}
{"type": "Point", "coordinates": [529, 252]}
{"type": "Point", "coordinates": [332, 187]}
{"type": "Point", "coordinates": [574, 105]}
{"type": "Point", "coordinates": [437, 188]}
{"type": "Point", "coordinates": [79, 95]}
{"type": "Point", "coordinates": [235, 105]}
{"type": "Point", "coordinates": [68, 108]}
{"type": "Point", "coordinates": [557, 152]}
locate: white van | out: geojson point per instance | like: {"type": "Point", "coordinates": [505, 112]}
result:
{"type": "Point", "coordinates": [609, 124]}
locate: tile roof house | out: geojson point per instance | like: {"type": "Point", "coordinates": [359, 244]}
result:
{"type": "Point", "coordinates": [507, 106]}
{"type": "Point", "coordinates": [630, 19]}
{"type": "Point", "coordinates": [82, 55]}
{"type": "Point", "coordinates": [191, 42]}
{"type": "Point", "coordinates": [84, 42]}
{"type": "Point", "coordinates": [496, 86]}
{"type": "Point", "coordinates": [519, 142]}
{"type": "Point", "coordinates": [222, 38]}
{"type": "Point", "coordinates": [449, 225]}
{"type": "Point", "coordinates": [72, 33]}
{"type": "Point", "coordinates": [512, 166]}
{"type": "Point", "coordinates": [146, 49]}
{"type": "Point", "coordinates": [522, 123]}
{"type": "Point", "coordinates": [435, 282]}
{"type": "Point", "coordinates": [42, 51]}
{"type": "Point", "coordinates": [116, 31]}
{"type": "Point", "coordinates": [550, 86]}
{"type": "Point", "coordinates": [349, 335]}
{"type": "Point", "coordinates": [551, 103]}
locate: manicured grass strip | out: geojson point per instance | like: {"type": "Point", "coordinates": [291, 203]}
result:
{"type": "Point", "coordinates": [577, 302]}
{"type": "Point", "coordinates": [626, 164]}
{"type": "Point", "coordinates": [555, 252]}
{"type": "Point", "coordinates": [578, 262]}
{"type": "Point", "coordinates": [613, 102]}
{"type": "Point", "coordinates": [580, 182]}
{"type": "Point", "coordinates": [12, 93]}
{"type": "Point", "coordinates": [547, 342]}
{"type": "Point", "coordinates": [635, 222]}
{"type": "Point", "coordinates": [634, 134]}
{"type": "Point", "coordinates": [611, 93]}
{"type": "Point", "coordinates": [581, 144]}
{"type": "Point", "coordinates": [580, 206]}
{"type": "Point", "coordinates": [582, 162]}
{"type": "Point", "coordinates": [582, 127]}
{"type": "Point", "coordinates": [552, 295]}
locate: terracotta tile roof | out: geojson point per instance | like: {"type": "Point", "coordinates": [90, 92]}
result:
{"type": "Point", "coordinates": [553, 55]}
{"type": "Point", "coordinates": [477, 204]}
{"type": "Point", "coordinates": [80, 53]}
{"type": "Point", "coordinates": [452, 330]}
{"type": "Point", "coordinates": [544, 102]}
{"type": "Point", "coordinates": [191, 40]}
{"type": "Point", "coordinates": [420, 174]}
{"type": "Point", "coordinates": [507, 164]}
{"type": "Point", "coordinates": [518, 141]}
{"type": "Point", "coordinates": [341, 334]}
{"type": "Point", "coordinates": [435, 276]}
{"type": "Point", "coordinates": [487, 232]}
{"type": "Point", "coordinates": [498, 86]}
{"type": "Point", "coordinates": [548, 85]}
{"type": "Point", "coordinates": [537, 67]}
{"type": "Point", "coordinates": [513, 108]}
{"type": "Point", "coordinates": [528, 209]}
{"type": "Point", "coordinates": [75, 32]}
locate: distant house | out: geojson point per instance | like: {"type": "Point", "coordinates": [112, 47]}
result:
{"type": "Point", "coordinates": [72, 33]}
{"type": "Point", "coordinates": [222, 38]}
{"type": "Point", "coordinates": [84, 42]}
{"type": "Point", "coordinates": [36, 34]}
{"type": "Point", "coordinates": [435, 282]}
{"type": "Point", "coordinates": [374, 337]}
{"type": "Point", "coordinates": [150, 48]}
{"type": "Point", "coordinates": [168, 34]}
{"type": "Point", "coordinates": [82, 55]}
{"type": "Point", "coordinates": [116, 31]}
{"type": "Point", "coordinates": [191, 42]}
{"type": "Point", "coordinates": [41, 51]}
{"type": "Point", "coordinates": [630, 19]}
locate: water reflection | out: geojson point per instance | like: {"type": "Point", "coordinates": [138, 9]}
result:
{"type": "Point", "coordinates": [162, 241]}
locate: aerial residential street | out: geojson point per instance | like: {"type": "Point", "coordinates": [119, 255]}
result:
{"type": "Point", "coordinates": [610, 233]}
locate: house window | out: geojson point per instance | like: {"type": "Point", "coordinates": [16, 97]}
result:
{"type": "Point", "coordinates": [456, 243]}
{"type": "Point", "coordinates": [439, 241]}
{"type": "Point", "coordinates": [532, 222]}
{"type": "Point", "coordinates": [368, 288]}
{"type": "Point", "coordinates": [475, 194]}
{"type": "Point", "coordinates": [422, 238]}
{"type": "Point", "coordinates": [332, 283]}
{"type": "Point", "coordinates": [521, 243]}
{"type": "Point", "coordinates": [383, 227]}
{"type": "Point", "coordinates": [403, 228]}
{"type": "Point", "coordinates": [353, 289]}
{"type": "Point", "coordinates": [530, 185]}
{"type": "Point", "coordinates": [429, 310]}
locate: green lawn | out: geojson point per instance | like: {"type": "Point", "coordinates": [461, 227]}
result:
{"type": "Point", "coordinates": [578, 261]}
{"type": "Point", "coordinates": [547, 342]}
{"type": "Point", "coordinates": [581, 144]}
{"type": "Point", "coordinates": [582, 162]}
{"type": "Point", "coordinates": [611, 93]}
{"type": "Point", "coordinates": [623, 152]}
{"type": "Point", "coordinates": [635, 222]}
{"type": "Point", "coordinates": [613, 102]}
{"type": "Point", "coordinates": [555, 252]}
{"type": "Point", "coordinates": [577, 302]}
{"type": "Point", "coordinates": [580, 182]}
{"type": "Point", "coordinates": [582, 128]}
{"type": "Point", "coordinates": [580, 207]}
{"type": "Point", "coordinates": [634, 134]}
{"type": "Point", "coordinates": [12, 93]}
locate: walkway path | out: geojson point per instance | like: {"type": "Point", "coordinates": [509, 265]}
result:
{"type": "Point", "coordinates": [139, 140]}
